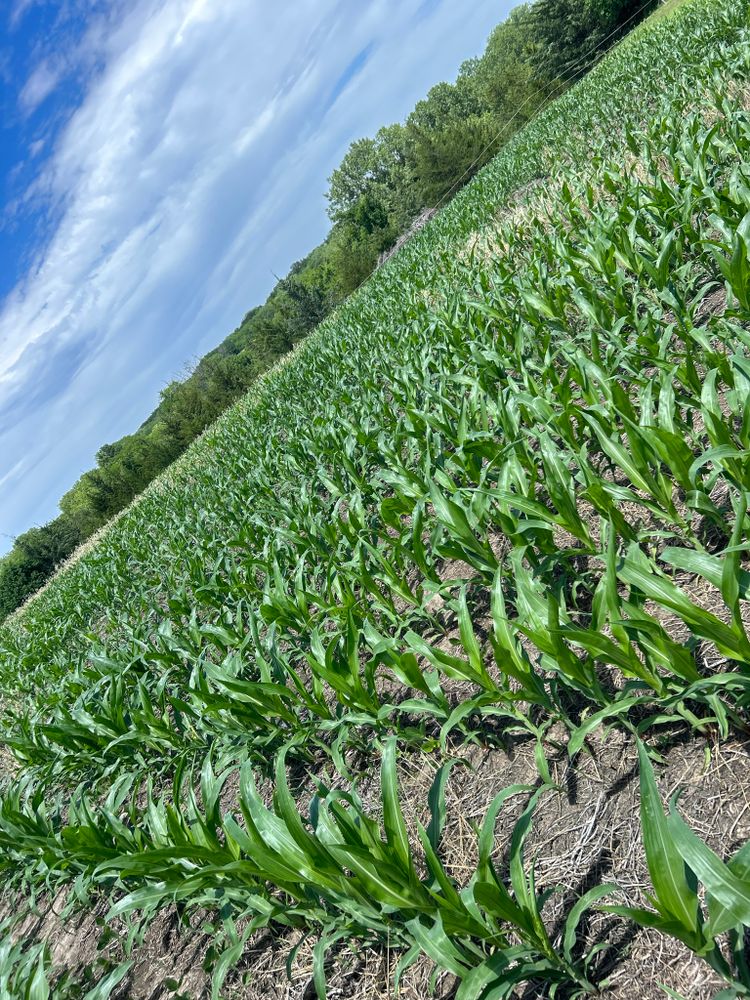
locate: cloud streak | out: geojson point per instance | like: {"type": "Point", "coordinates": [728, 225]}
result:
{"type": "Point", "coordinates": [39, 86]}
{"type": "Point", "coordinates": [193, 169]}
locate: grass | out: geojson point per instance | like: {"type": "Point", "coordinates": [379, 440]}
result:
{"type": "Point", "coordinates": [498, 500]}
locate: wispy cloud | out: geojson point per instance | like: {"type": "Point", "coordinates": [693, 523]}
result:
{"type": "Point", "coordinates": [18, 9]}
{"type": "Point", "coordinates": [39, 86]}
{"type": "Point", "coordinates": [13, 472]}
{"type": "Point", "coordinates": [193, 170]}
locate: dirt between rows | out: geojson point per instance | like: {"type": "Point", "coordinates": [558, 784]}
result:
{"type": "Point", "coordinates": [586, 833]}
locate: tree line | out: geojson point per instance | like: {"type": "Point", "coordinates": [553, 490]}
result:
{"type": "Point", "coordinates": [382, 184]}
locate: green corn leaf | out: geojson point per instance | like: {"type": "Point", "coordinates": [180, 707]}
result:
{"type": "Point", "coordinates": [510, 656]}
{"type": "Point", "coordinates": [637, 572]}
{"type": "Point", "coordinates": [405, 962]}
{"type": "Point", "coordinates": [730, 587]}
{"type": "Point", "coordinates": [710, 567]}
{"type": "Point", "coordinates": [393, 819]}
{"type": "Point", "coordinates": [714, 454]}
{"type": "Point", "coordinates": [677, 898]}
{"type": "Point", "coordinates": [495, 900]}
{"type": "Point", "coordinates": [523, 887]}
{"type": "Point", "coordinates": [450, 665]}
{"type": "Point", "coordinates": [579, 734]}
{"type": "Point", "coordinates": [450, 894]}
{"type": "Point", "coordinates": [486, 840]}
{"type": "Point", "coordinates": [492, 972]}
{"type": "Point", "coordinates": [576, 914]}
{"type": "Point", "coordinates": [483, 704]}
{"type": "Point", "coordinates": [730, 891]}
{"type": "Point", "coordinates": [386, 883]}
{"type": "Point", "coordinates": [649, 918]}
{"type": "Point", "coordinates": [140, 899]}
{"type": "Point", "coordinates": [602, 648]}
{"type": "Point", "coordinates": [468, 638]}
{"type": "Point", "coordinates": [38, 988]}
{"type": "Point", "coordinates": [226, 961]}
{"type": "Point", "coordinates": [721, 917]}
{"type": "Point", "coordinates": [498, 977]}
{"type": "Point", "coordinates": [674, 995]}
{"type": "Point", "coordinates": [104, 987]}
{"type": "Point", "coordinates": [436, 944]}
{"type": "Point", "coordinates": [284, 802]}
{"type": "Point", "coordinates": [619, 455]}
{"type": "Point", "coordinates": [436, 802]}
{"type": "Point", "coordinates": [322, 946]}
{"type": "Point", "coordinates": [455, 517]}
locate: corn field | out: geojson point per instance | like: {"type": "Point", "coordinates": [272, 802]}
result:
{"type": "Point", "coordinates": [499, 499]}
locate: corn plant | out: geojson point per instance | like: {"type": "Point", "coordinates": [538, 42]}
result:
{"type": "Point", "coordinates": [26, 973]}
{"type": "Point", "coordinates": [677, 862]}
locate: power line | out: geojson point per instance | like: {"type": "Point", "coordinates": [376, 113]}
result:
{"type": "Point", "coordinates": [553, 92]}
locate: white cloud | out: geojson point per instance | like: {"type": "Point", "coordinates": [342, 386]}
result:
{"type": "Point", "coordinates": [193, 170]}
{"type": "Point", "coordinates": [18, 10]}
{"type": "Point", "coordinates": [13, 471]}
{"type": "Point", "coordinates": [39, 86]}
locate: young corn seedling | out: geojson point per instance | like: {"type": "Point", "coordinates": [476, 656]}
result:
{"type": "Point", "coordinates": [731, 640]}
{"type": "Point", "coordinates": [26, 973]}
{"type": "Point", "coordinates": [517, 907]}
{"type": "Point", "coordinates": [677, 862]}
{"type": "Point", "coordinates": [341, 873]}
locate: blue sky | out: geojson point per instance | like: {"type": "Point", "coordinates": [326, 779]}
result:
{"type": "Point", "coordinates": [160, 161]}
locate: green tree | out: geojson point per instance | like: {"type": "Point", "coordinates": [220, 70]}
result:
{"type": "Point", "coordinates": [34, 556]}
{"type": "Point", "coordinates": [573, 34]}
{"type": "Point", "coordinates": [376, 169]}
{"type": "Point", "coordinates": [506, 75]}
{"type": "Point", "coordinates": [446, 104]}
{"type": "Point", "coordinates": [446, 160]}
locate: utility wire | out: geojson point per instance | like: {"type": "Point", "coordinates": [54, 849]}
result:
{"type": "Point", "coordinates": [551, 94]}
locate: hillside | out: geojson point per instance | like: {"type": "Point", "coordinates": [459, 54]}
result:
{"type": "Point", "coordinates": [387, 686]}
{"type": "Point", "coordinates": [381, 190]}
